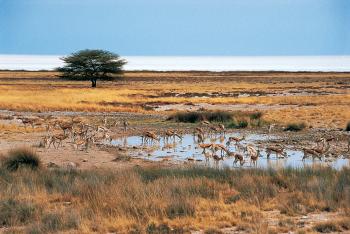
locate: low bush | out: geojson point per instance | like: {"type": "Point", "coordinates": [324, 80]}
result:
{"type": "Point", "coordinates": [347, 128]}
{"type": "Point", "coordinates": [197, 116]}
{"type": "Point", "coordinates": [13, 212]}
{"type": "Point", "coordinates": [22, 157]}
{"type": "Point", "coordinates": [295, 127]}
{"type": "Point", "coordinates": [180, 208]}
{"type": "Point", "coordinates": [326, 227]}
{"type": "Point", "coordinates": [239, 124]}
{"type": "Point", "coordinates": [256, 115]}
{"type": "Point", "coordinates": [53, 222]}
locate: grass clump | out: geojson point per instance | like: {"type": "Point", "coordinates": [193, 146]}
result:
{"type": "Point", "coordinates": [13, 212]}
{"type": "Point", "coordinates": [326, 227]}
{"type": "Point", "coordinates": [238, 124]}
{"type": "Point", "coordinates": [180, 208]}
{"type": "Point", "coordinates": [295, 127]}
{"type": "Point", "coordinates": [256, 115]}
{"type": "Point", "coordinates": [198, 116]}
{"type": "Point", "coordinates": [347, 128]}
{"type": "Point", "coordinates": [22, 157]}
{"type": "Point", "coordinates": [54, 222]}
{"type": "Point", "coordinates": [337, 225]}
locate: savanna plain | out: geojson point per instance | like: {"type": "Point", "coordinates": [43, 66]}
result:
{"type": "Point", "coordinates": [175, 152]}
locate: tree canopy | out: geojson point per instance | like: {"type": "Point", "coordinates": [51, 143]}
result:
{"type": "Point", "coordinates": [92, 65]}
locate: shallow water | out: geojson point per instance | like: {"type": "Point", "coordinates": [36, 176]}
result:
{"type": "Point", "coordinates": [195, 63]}
{"type": "Point", "coordinates": [181, 150]}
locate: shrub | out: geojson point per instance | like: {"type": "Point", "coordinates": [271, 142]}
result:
{"type": "Point", "coordinates": [239, 124]}
{"type": "Point", "coordinates": [21, 158]}
{"type": "Point", "coordinates": [180, 208]}
{"type": "Point", "coordinates": [54, 222]}
{"type": "Point", "coordinates": [197, 116]}
{"type": "Point", "coordinates": [256, 115]}
{"type": "Point", "coordinates": [295, 127]}
{"type": "Point", "coordinates": [213, 231]}
{"type": "Point", "coordinates": [242, 124]}
{"type": "Point", "coordinates": [13, 212]}
{"type": "Point", "coordinates": [347, 127]}
{"type": "Point", "coordinates": [326, 227]}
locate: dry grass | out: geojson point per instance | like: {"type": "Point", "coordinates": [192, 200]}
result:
{"type": "Point", "coordinates": [155, 200]}
{"type": "Point", "coordinates": [34, 91]}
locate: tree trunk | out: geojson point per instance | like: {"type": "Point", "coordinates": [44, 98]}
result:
{"type": "Point", "coordinates": [93, 83]}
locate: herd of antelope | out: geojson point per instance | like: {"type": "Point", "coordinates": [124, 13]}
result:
{"type": "Point", "coordinates": [79, 134]}
{"type": "Point", "coordinates": [82, 136]}
{"type": "Point", "coordinates": [243, 152]}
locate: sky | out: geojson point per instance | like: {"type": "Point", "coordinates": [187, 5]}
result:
{"type": "Point", "coordinates": [176, 27]}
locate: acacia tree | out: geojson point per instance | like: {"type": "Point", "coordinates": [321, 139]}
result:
{"type": "Point", "coordinates": [92, 65]}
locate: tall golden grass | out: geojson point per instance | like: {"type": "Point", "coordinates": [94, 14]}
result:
{"type": "Point", "coordinates": [154, 200]}
{"type": "Point", "coordinates": [43, 91]}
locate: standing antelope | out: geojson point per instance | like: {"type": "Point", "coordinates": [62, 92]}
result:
{"type": "Point", "coordinates": [205, 123]}
{"type": "Point", "coordinates": [276, 150]}
{"type": "Point", "coordinates": [198, 130]}
{"type": "Point", "coordinates": [125, 125]}
{"type": "Point", "coordinates": [207, 156]}
{"type": "Point", "coordinates": [217, 159]}
{"type": "Point", "coordinates": [171, 133]}
{"type": "Point", "coordinates": [238, 158]}
{"type": "Point", "coordinates": [311, 152]}
{"type": "Point", "coordinates": [214, 129]}
{"type": "Point", "coordinates": [205, 146]}
{"type": "Point", "coordinates": [216, 147]}
{"type": "Point", "coordinates": [253, 154]}
{"type": "Point", "coordinates": [271, 126]}
{"type": "Point", "coordinates": [222, 128]}
{"type": "Point", "coordinates": [235, 139]}
{"type": "Point", "coordinates": [321, 150]}
{"type": "Point", "coordinates": [200, 137]}
{"type": "Point", "coordinates": [66, 126]}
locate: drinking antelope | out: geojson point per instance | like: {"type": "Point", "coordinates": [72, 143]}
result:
{"type": "Point", "coordinates": [149, 136]}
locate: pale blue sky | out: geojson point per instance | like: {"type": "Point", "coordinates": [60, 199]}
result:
{"type": "Point", "coordinates": [176, 27]}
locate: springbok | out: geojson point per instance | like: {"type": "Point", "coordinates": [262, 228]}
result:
{"type": "Point", "coordinates": [235, 139]}
{"type": "Point", "coordinates": [216, 147]}
{"type": "Point", "coordinates": [311, 152]}
{"type": "Point", "coordinates": [253, 154]}
{"type": "Point", "coordinates": [276, 150]}
{"type": "Point", "coordinates": [125, 125]}
{"type": "Point", "coordinates": [238, 158]}
{"type": "Point", "coordinates": [205, 146]}
{"type": "Point", "coordinates": [171, 133]}
{"type": "Point", "coordinates": [217, 159]}
{"type": "Point", "coordinates": [200, 137]}
{"type": "Point", "coordinates": [198, 130]}
{"type": "Point", "coordinates": [149, 136]}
